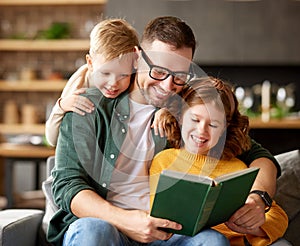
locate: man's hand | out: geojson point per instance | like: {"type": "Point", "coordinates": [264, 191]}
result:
{"type": "Point", "coordinates": [136, 224]}
{"type": "Point", "coordinates": [249, 218]}
{"type": "Point", "coordinates": [143, 228]}
{"type": "Point", "coordinates": [76, 103]}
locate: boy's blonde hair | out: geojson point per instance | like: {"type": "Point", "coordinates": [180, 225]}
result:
{"type": "Point", "coordinates": [113, 38]}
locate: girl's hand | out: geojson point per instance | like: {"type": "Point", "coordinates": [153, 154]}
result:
{"type": "Point", "coordinates": [159, 122]}
{"type": "Point", "coordinates": [249, 218]}
{"type": "Point", "coordinates": [77, 103]}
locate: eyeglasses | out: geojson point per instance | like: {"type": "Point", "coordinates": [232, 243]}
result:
{"type": "Point", "coordinates": [161, 73]}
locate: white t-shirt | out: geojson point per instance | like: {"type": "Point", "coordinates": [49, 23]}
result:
{"type": "Point", "coordinates": [129, 187]}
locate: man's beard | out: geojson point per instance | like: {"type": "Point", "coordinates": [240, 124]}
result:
{"type": "Point", "coordinates": [149, 100]}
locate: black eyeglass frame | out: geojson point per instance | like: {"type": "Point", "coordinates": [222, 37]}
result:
{"type": "Point", "coordinates": [173, 74]}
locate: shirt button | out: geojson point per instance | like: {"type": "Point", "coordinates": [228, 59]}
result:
{"type": "Point", "coordinates": [112, 156]}
{"type": "Point", "coordinates": [104, 185]}
{"type": "Point", "coordinates": [123, 130]}
{"type": "Point", "coordinates": [125, 116]}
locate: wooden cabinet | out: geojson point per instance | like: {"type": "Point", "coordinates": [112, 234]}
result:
{"type": "Point", "coordinates": [18, 53]}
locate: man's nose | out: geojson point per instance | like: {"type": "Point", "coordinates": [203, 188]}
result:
{"type": "Point", "coordinates": [167, 84]}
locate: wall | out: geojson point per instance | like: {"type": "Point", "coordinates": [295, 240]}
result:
{"type": "Point", "coordinates": [255, 32]}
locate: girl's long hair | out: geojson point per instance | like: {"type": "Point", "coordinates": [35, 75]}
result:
{"type": "Point", "coordinates": [235, 139]}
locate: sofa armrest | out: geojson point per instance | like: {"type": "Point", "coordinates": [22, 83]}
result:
{"type": "Point", "coordinates": [287, 194]}
{"type": "Point", "coordinates": [20, 226]}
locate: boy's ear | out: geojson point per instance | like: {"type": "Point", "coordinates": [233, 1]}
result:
{"type": "Point", "coordinates": [89, 62]}
{"type": "Point", "coordinates": [136, 52]}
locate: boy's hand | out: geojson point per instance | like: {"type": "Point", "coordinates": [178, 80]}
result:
{"type": "Point", "coordinates": [76, 103]}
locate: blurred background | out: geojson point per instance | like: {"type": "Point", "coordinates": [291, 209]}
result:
{"type": "Point", "coordinates": [42, 42]}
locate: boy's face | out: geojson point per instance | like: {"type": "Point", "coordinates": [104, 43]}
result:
{"type": "Point", "coordinates": [156, 92]}
{"type": "Point", "coordinates": [111, 77]}
{"type": "Point", "coordinates": [202, 126]}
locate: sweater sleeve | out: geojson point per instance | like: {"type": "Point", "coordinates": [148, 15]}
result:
{"type": "Point", "coordinates": [160, 162]}
{"type": "Point", "coordinates": [154, 172]}
{"type": "Point", "coordinates": [77, 80]}
{"type": "Point", "coordinates": [53, 123]}
{"type": "Point", "coordinates": [275, 226]}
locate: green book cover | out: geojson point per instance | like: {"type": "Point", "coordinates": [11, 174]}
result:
{"type": "Point", "coordinates": [197, 202]}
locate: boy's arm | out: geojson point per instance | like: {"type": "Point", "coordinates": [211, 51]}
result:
{"type": "Point", "coordinates": [53, 123]}
{"type": "Point", "coordinates": [76, 81]}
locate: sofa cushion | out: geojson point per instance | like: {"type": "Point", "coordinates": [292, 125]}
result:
{"type": "Point", "coordinates": [51, 207]}
{"type": "Point", "coordinates": [288, 184]}
{"type": "Point", "coordinates": [20, 226]}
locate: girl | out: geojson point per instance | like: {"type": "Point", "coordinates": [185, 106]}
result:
{"type": "Point", "coordinates": [210, 134]}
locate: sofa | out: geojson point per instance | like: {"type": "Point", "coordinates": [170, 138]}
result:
{"type": "Point", "coordinates": [27, 227]}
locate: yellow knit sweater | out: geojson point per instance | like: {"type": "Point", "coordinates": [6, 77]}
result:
{"type": "Point", "coordinates": [183, 161]}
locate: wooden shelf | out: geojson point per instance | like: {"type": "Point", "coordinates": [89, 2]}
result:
{"type": "Point", "coordinates": [38, 129]}
{"type": "Point", "coordinates": [35, 85]}
{"type": "Point", "coordinates": [51, 2]}
{"type": "Point", "coordinates": [275, 124]}
{"type": "Point", "coordinates": [25, 151]}
{"type": "Point", "coordinates": [44, 45]}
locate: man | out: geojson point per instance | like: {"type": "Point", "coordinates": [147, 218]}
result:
{"type": "Point", "coordinates": [102, 159]}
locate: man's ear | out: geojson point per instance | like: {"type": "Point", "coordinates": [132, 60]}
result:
{"type": "Point", "coordinates": [180, 120]}
{"type": "Point", "coordinates": [89, 62]}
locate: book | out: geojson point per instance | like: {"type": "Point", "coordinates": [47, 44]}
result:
{"type": "Point", "coordinates": [198, 202]}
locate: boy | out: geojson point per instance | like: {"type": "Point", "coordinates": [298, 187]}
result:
{"type": "Point", "coordinates": [108, 67]}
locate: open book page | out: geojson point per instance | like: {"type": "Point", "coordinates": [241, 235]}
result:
{"type": "Point", "coordinates": [232, 175]}
{"type": "Point", "coordinates": [188, 177]}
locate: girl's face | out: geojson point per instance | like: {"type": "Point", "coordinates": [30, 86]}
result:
{"type": "Point", "coordinates": [202, 126]}
{"type": "Point", "coordinates": [111, 77]}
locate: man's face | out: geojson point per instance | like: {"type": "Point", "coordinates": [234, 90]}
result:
{"type": "Point", "coordinates": [156, 92]}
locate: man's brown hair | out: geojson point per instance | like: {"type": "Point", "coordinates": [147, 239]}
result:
{"type": "Point", "coordinates": [170, 30]}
